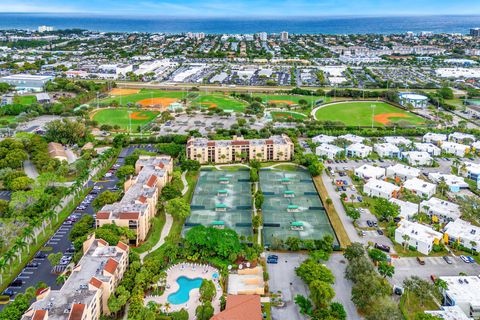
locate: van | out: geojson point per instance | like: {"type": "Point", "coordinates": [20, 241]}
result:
{"type": "Point", "coordinates": [421, 261]}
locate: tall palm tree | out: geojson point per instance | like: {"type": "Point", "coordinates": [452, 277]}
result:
{"type": "Point", "coordinates": [20, 243]}
{"type": "Point", "coordinates": [7, 256]}
{"type": "Point", "coordinates": [28, 233]}
{"type": "Point", "coordinates": [3, 265]}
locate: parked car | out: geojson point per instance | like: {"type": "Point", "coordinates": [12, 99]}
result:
{"type": "Point", "coordinates": [360, 199]}
{"type": "Point", "coordinates": [272, 261]}
{"type": "Point", "coordinates": [369, 223]}
{"type": "Point", "coordinates": [470, 259]}
{"type": "Point", "coordinates": [16, 283]}
{"type": "Point", "coordinates": [382, 247]}
{"type": "Point", "coordinates": [8, 292]}
{"type": "Point", "coordinates": [380, 232]}
{"type": "Point", "coordinates": [434, 278]}
{"type": "Point", "coordinates": [447, 259]}
{"type": "Point", "coordinates": [421, 261]}
{"type": "Point", "coordinates": [40, 255]}
{"type": "Point", "coordinates": [465, 259]}
{"type": "Point", "coordinates": [32, 264]}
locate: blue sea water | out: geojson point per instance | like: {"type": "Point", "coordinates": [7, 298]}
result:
{"type": "Point", "coordinates": [320, 25]}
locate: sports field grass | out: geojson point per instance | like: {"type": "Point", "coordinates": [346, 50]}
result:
{"type": "Point", "coordinates": [287, 99]}
{"type": "Point", "coordinates": [144, 94]}
{"type": "Point", "coordinates": [120, 117]}
{"type": "Point", "coordinates": [286, 115]}
{"type": "Point", "coordinates": [359, 113]}
{"type": "Point", "coordinates": [207, 100]}
{"type": "Point", "coordinates": [25, 100]}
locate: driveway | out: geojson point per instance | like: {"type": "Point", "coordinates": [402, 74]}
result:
{"type": "Point", "coordinates": [407, 267]}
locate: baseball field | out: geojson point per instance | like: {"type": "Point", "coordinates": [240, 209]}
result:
{"type": "Point", "coordinates": [143, 97]}
{"type": "Point", "coordinates": [123, 117]}
{"type": "Point", "coordinates": [361, 113]}
{"type": "Point", "coordinates": [218, 100]}
{"type": "Point", "coordinates": [277, 115]}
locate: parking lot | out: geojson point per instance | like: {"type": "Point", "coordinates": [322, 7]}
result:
{"type": "Point", "coordinates": [39, 269]}
{"type": "Point", "coordinates": [407, 267]}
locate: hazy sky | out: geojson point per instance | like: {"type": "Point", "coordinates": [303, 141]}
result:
{"type": "Point", "coordinates": [247, 8]}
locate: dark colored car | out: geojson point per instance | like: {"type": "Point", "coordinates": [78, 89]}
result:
{"type": "Point", "coordinates": [40, 255]}
{"type": "Point", "coordinates": [8, 292]}
{"type": "Point", "coordinates": [382, 247]}
{"type": "Point", "coordinates": [16, 283]}
{"type": "Point", "coordinates": [32, 265]}
{"type": "Point", "coordinates": [380, 232]}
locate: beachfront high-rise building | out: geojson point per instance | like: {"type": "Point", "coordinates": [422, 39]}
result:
{"type": "Point", "coordinates": [275, 148]}
{"type": "Point", "coordinates": [475, 32]}
{"type": "Point", "coordinates": [45, 29]}
{"type": "Point", "coordinates": [284, 36]}
{"type": "Point", "coordinates": [262, 36]}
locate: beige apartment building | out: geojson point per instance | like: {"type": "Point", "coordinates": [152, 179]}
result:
{"type": "Point", "coordinates": [138, 205]}
{"type": "Point", "coordinates": [85, 294]}
{"type": "Point", "coordinates": [276, 148]}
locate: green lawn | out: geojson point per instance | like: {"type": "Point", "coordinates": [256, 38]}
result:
{"type": "Point", "coordinates": [359, 113]}
{"type": "Point", "coordinates": [25, 100]}
{"type": "Point", "coordinates": [286, 115]}
{"type": "Point", "coordinates": [278, 99]}
{"type": "Point", "coordinates": [410, 306]}
{"type": "Point", "coordinates": [207, 100]}
{"type": "Point", "coordinates": [5, 120]}
{"type": "Point", "coordinates": [154, 234]}
{"type": "Point", "coordinates": [142, 95]}
{"type": "Point", "coordinates": [120, 116]}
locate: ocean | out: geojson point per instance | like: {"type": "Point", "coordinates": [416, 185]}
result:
{"type": "Point", "coordinates": [320, 25]}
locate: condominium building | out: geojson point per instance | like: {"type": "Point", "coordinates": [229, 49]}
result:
{"type": "Point", "coordinates": [432, 149]}
{"type": "Point", "coordinates": [328, 151]}
{"type": "Point", "coordinates": [472, 171]}
{"type": "Point", "coordinates": [284, 36]}
{"type": "Point", "coordinates": [407, 209]}
{"type": "Point", "coordinates": [443, 210]}
{"type": "Point", "coordinates": [138, 206]}
{"type": "Point", "coordinates": [460, 137]}
{"type": "Point", "coordinates": [322, 138]}
{"type": "Point", "coordinates": [358, 150]}
{"type": "Point", "coordinates": [434, 138]}
{"type": "Point", "coordinates": [417, 158]}
{"type": "Point", "coordinates": [276, 148]}
{"type": "Point", "coordinates": [352, 138]}
{"type": "Point", "coordinates": [463, 291]}
{"type": "Point", "coordinates": [402, 172]}
{"type": "Point", "coordinates": [381, 189]}
{"type": "Point", "coordinates": [398, 140]}
{"type": "Point", "coordinates": [454, 183]}
{"type": "Point", "coordinates": [420, 187]}
{"type": "Point", "coordinates": [386, 150]}
{"type": "Point", "coordinates": [417, 235]}
{"type": "Point", "coordinates": [464, 233]}
{"type": "Point", "coordinates": [454, 148]}
{"type": "Point", "coordinates": [84, 295]}
{"type": "Point", "coordinates": [368, 172]}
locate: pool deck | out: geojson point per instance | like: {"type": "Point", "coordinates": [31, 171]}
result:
{"type": "Point", "coordinates": [192, 271]}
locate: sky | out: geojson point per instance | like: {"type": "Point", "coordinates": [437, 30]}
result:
{"type": "Point", "coordinates": [246, 8]}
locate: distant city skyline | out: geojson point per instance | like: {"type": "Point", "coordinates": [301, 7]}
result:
{"type": "Point", "coordinates": [247, 8]}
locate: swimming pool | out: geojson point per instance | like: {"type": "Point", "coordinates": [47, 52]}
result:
{"type": "Point", "coordinates": [183, 293]}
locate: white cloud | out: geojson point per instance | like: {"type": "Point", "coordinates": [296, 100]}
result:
{"type": "Point", "coordinates": [35, 7]}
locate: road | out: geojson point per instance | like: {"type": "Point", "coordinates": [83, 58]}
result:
{"type": "Point", "coordinates": [60, 242]}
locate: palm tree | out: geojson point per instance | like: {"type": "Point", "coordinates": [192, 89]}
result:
{"type": "Point", "coordinates": [28, 233]}
{"type": "Point", "coordinates": [3, 265]}
{"type": "Point", "coordinates": [405, 238]}
{"type": "Point", "coordinates": [442, 186]}
{"type": "Point", "coordinates": [7, 256]}
{"type": "Point", "coordinates": [441, 284]}
{"type": "Point", "coordinates": [386, 270]}
{"type": "Point", "coordinates": [20, 243]}
{"type": "Point", "coordinates": [167, 306]}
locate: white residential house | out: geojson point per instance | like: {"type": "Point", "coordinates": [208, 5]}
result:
{"type": "Point", "coordinates": [328, 150]}
{"type": "Point", "coordinates": [454, 183]}
{"type": "Point", "coordinates": [418, 158]}
{"type": "Point", "coordinates": [432, 149]}
{"type": "Point", "coordinates": [407, 209]}
{"type": "Point", "coordinates": [460, 137]}
{"type": "Point", "coordinates": [421, 188]}
{"type": "Point", "coordinates": [381, 189]}
{"type": "Point", "coordinates": [402, 172]}
{"type": "Point", "coordinates": [358, 150]}
{"type": "Point", "coordinates": [352, 138]}
{"type": "Point", "coordinates": [322, 138]}
{"type": "Point", "coordinates": [449, 313]}
{"type": "Point", "coordinates": [465, 233]}
{"type": "Point", "coordinates": [463, 292]}
{"type": "Point", "coordinates": [472, 171]}
{"type": "Point", "coordinates": [367, 172]}
{"type": "Point", "coordinates": [476, 146]}
{"type": "Point", "coordinates": [417, 235]}
{"type": "Point", "coordinates": [398, 140]}
{"type": "Point", "coordinates": [386, 150]}
{"type": "Point", "coordinates": [454, 148]}
{"type": "Point", "coordinates": [444, 210]}
{"type": "Point", "coordinates": [434, 138]}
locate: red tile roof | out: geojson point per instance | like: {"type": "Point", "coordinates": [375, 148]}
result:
{"type": "Point", "coordinates": [240, 143]}
{"type": "Point", "coordinates": [77, 312]}
{"type": "Point", "coordinates": [103, 215]}
{"type": "Point", "coordinates": [39, 315]}
{"type": "Point", "coordinates": [111, 266]}
{"type": "Point", "coordinates": [122, 246]}
{"type": "Point", "coordinates": [142, 199]}
{"type": "Point", "coordinates": [102, 242]}
{"type": "Point", "coordinates": [269, 142]}
{"type": "Point", "coordinates": [95, 282]}
{"type": "Point", "coordinates": [211, 144]}
{"type": "Point", "coordinates": [161, 165]}
{"type": "Point", "coordinates": [242, 307]}
{"type": "Point", "coordinates": [129, 215]}
{"type": "Point", "coordinates": [151, 181]}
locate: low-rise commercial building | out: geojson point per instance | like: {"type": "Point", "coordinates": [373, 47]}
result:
{"type": "Point", "coordinates": [454, 148]}
{"type": "Point", "coordinates": [418, 158]}
{"type": "Point", "coordinates": [139, 203]}
{"type": "Point", "coordinates": [402, 172]}
{"type": "Point", "coordinates": [462, 291]}
{"type": "Point", "coordinates": [386, 150]}
{"type": "Point", "coordinates": [442, 210]}
{"type": "Point", "coordinates": [358, 150]}
{"type": "Point", "coordinates": [329, 151]}
{"type": "Point", "coordinates": [464, 233]}
{"type": "Point", "coordinates": [276, 148]}
{"type": "Point", "coordinates": [381, 189]}
{"type": "Point", "coordinates": [27, 82]}
{"type": "Point", "coordinates": [367, 172]}
{"type": "Point", "coordinates": [432, 149]}
{"type": "Point", "coordinates": [421, 188]}
{"type": "Point", "coordinates": [84, 295]}
{"type": "Point", "coordinates": [417, 235]}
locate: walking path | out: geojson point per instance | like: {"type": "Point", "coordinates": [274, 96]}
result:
{"type": "Point", "coordinates": [185, 182]}
{"type": "Point", "coordinates": [30, 169]}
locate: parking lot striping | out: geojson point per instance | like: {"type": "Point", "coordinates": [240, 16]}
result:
{"type": "Point", "coordinates": [27, 272]}
{"type": "Point", "coordinates": [23, 277]}
{"type": "Point", "coordinates": [53, 242]}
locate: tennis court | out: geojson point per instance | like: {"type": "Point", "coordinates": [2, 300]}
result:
{"type": "Point", "coordinates": [292, 207]}
{"type": "Point", "coordinates": [222, 199]}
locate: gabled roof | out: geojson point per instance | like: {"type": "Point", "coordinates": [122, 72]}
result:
{"type": "Point", "coordinates": [77, 312]}
{"type": "Point", "coordinates": [241, 307]}
{"type": "Point", "coordinates": [111, 266]}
